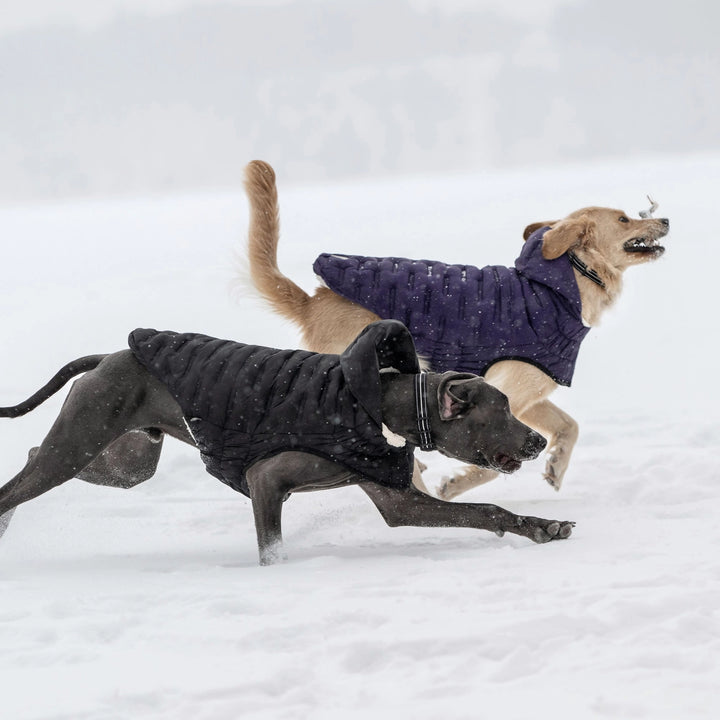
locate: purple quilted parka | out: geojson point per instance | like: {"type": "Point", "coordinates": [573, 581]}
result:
{"type": "Point", "coordinates": [466, 318]}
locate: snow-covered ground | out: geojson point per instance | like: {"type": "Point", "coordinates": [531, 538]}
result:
{"type": "Point", "coordinates": [149, 603]}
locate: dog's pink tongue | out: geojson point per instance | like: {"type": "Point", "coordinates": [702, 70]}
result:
{"type": "Point", "coordinates": [507, 464]}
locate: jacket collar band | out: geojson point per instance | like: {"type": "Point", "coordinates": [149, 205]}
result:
{"type": "Point", "coordinates": [421, 409]}
{"type": "Point", "coordinates": [583, 269]}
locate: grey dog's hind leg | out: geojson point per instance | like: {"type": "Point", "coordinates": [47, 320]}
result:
{"type": "Point", "coordinates": [130, 460]}
{"type": "Point", "coordinates": [5, 521]}
{"type": "Point", "coordinates": [73, 442]}
{"type": "Point", "coordinates": [116, 398]}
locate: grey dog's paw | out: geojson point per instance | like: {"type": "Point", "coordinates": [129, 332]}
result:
{"type": "Point", "coordinates": [272, 554]}
{"type": "Point", "coordinates": [547, 530]}
{"type": "Point", "coordinates": [5, 521]}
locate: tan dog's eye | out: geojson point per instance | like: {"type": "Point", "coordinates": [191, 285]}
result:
{"type": "Point", "coordinates": [622, 218]}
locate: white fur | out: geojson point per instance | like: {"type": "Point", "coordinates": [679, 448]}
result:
{"type": "Point", "coordinates": [392, 438]}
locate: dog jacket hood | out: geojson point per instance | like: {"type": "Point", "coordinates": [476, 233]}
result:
{"type": "Point", "coordinates": [244, 403]}
{"type": "Point", "coordinates": [466, 318]}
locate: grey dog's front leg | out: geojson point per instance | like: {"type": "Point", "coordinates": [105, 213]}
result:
{"type": "Point", "coordinates": [268, 488]}
{"type": "Point", "coordinates": [270, 481]}
{"type": "Point", "coordinates": [410, 507]}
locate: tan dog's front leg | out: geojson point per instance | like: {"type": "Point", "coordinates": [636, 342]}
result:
{"type": "Point", "coordinates": [464, 479]}
{"type": "Point", "coordinates": [417, 480]}
{"type": "Point", "coordinates": [561, 432]}
{"type": "Point", "coordinates": [527, 388]}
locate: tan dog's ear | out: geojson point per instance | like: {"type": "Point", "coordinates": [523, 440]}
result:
{"type": "Point", "coordinates": [530, 229]}
{"type": "Point", "coordinates": [567, 234]}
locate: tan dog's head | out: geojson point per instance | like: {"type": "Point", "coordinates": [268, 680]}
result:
{"type": "Point", "coordinates": [607, 236]}
{"type": "Point", "coordinates": [608, 242]}
{"type": "Point", "coordinates": [620, 241]}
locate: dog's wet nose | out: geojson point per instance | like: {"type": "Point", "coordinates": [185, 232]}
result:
{"type": "Point", "coordinates": [665, 222]}
{"type": "Point", "coordinates": [535, 444]}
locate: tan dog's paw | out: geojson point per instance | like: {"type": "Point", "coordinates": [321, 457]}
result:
{"type": "Point", "coordinates": [444, 490]}
{"type": "Point", "coordinates": [557, 464]}
{"type": "Point", "coordinates": [463, 480]}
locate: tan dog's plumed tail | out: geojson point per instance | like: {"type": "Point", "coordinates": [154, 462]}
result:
{"type": "Point", "coordinates": [286, 298]}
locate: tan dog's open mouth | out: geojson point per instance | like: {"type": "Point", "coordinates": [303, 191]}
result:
{"type": "Point", "coordinates": [644, 245]}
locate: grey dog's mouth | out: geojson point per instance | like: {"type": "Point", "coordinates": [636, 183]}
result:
{"type": "Point", "coordinates": [644, 245]}
{"type": "Point", "coordinates": [506, 464]}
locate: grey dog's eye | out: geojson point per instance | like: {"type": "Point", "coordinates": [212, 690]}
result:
{"type": "Point", "coordinates": [622, 218]}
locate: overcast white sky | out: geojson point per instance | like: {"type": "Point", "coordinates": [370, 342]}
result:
{"type": "Point", "coordinates": [133, 96]}
{"type": "Point", "coordinates": [91, 14]}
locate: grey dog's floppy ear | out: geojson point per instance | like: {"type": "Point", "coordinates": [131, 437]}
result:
{"type": "Point", "coordinates": [455, 394]}
{"type": "Point", "coordinates": [382, 344]}
{"type": "Point", "coordinates": [566, 234]}
{"type": "Point", "coordinates": [534, 227]}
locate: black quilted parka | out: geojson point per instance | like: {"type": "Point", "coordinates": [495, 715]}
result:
{"type": "Point", "coordinates": [243, 403]}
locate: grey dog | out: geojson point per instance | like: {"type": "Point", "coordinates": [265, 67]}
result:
{"type": "Point", "coordinates": [111, 427]}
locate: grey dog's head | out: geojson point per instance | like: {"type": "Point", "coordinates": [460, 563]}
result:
{"type": "Point", "coordinates": [476, 425]}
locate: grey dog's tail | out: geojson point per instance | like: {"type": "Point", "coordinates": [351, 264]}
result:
{"type": "Point", "coordinates": [69, 371]}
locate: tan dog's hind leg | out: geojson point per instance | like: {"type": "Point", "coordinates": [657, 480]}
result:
{"type": "Point", "coordinates": [527, 388]}
{"type": "Point", "coordinates": [330, 322]}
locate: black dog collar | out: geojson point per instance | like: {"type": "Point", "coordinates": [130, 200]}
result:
{"type": "Point", "coordinates": [421, 409]}
{"type": "Point", "coordinates": [583, 269]}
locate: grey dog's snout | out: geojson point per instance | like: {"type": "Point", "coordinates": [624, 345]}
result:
{"type": "Point", "coordinates": [665, 222]}
{"type": "Point", "coordinates": [535, 444]}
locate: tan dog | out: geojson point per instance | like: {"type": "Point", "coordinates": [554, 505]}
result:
{"type": "Point", "coordinates": [605, 241]}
